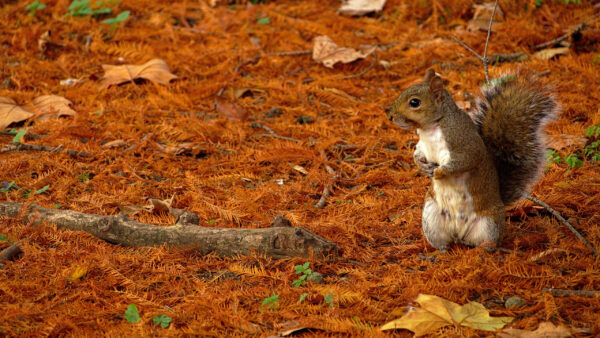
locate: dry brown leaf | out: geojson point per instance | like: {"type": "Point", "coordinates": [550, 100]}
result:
{"type": "Point", "coordinates": [53, 106]}
{"type": "Point", "coordinates": [157, 205]}
{"type": "Point", "coordinates": [328, 53]}
{"type": "Point", "coordinates": [231, 110]}
{"type": "Point", "coordinates": [300, 169]}
{"type": "Point", "coordinates": [130, 210]}
{"type": "Point", "coordinates": [481, 17]}
{"type": "Point", "coordinates": [549, 53]}
{"type": "Point", "coordinates": [155, 70]}
{"type": "Point", "coordinates": [114, 144]}
{"type": "Point", "coordinates": [11, 112]}
{"type": "Point", "coordinates": [562, 141]}
{"type": "Point", "coordinates": [361, 7]}
{"type": "Point", "coordinates": [544, 330]}
{"type": "Point", "coordinates": [436, 312]}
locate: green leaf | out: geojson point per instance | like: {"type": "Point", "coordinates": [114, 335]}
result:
{"type": "Point", "coordinates": [3, 238]}
{"type": "Point", "coordinates": [41, 191]}
{"type": "Point", "coordinates": [19, 136]}
{"type": "Point", "coordinates": [329, 300]}
{"type": "Point", "coordinates": [264, 21]}
{"type": "Point", "coordinates": [34, 6]}
{"type": "Point", "coordinates": [117, 19]}
{"type": "Point", "coordinates": [162, 320]}
{"type": "Point", "coordinates": [573, 161]}
{"type": "Point", "coordinates": [57, 206]}
{"type": "Point", "coordinates": [271, 302]}
{"type": "Point", "coordinates": [302, 297]}
{"type": "Point", "coordinates": [131, 314]}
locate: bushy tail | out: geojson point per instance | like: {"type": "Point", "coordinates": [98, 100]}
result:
{"type": "Point", "coordinates": [511, 118]}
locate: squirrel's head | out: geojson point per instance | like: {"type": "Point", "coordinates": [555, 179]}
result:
{"type": "Point", "coordinates": [419, 105]}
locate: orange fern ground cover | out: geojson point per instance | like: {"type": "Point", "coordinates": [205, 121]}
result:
{"type": "Point", "coordinates": [149, 139]}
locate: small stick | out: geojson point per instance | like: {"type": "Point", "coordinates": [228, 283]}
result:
{"type": "Point", "coordinates": [363, 72]}
{"type": "Point", "coordinates": [271, 132]}
{"type": "Point", "coordinates": [11, 252]}
{"type": "Point", "coordinates": [562, 219]}
{"type": "Point", "coordinates": [500, 58]}
{"type": "Point", "coordinates": [326, 193]}
{"type": "Point", "coordinates": [583, 293]}
{"type": "Point", "coordinates": [300, 52]}
{"type": "Point", "coordinates": [38, 147]}
{"type": "Point", "coordinates": [552, 42]}
{"type": "Point", "coordinates": [27, 136]}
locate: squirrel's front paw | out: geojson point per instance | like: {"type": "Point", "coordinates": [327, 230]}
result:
{"type": "Point", "coordinates": [426, 167]}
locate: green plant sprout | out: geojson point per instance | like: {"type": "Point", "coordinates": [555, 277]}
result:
{"type": "Point", "coordinates": [34, 7]}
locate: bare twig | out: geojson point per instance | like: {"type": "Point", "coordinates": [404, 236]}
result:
{"type": "Point", "coordinates": [37, 147]}
{"type": "Point", "coordinates": [353, 76]}
{"type": "Point", "coordinates": [271, 132]}
{"type": "Point", "coordinates": [562, 220]}
{"type": "Point", "coordinates": [484, 59]}
{"type": "Point", "coordinates": [582, 293]}
{"type": "Point", "coordinates": [300, 52]}
{"type": "Point", "coordinates": [500, 58]}
{"type": "Point", "coordinates": [326, 193]}
{"type": "Point", "coordinates": [576, 30]}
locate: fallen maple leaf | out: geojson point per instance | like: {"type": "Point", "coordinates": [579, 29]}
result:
{"type": "Point", "coordinates": [361, 7]}
{"type": "Point", "coordinates": [545, 330]}
{"type": "Point", "coordinates": [11, 112]}
{"type": "Point", "coordinates": [549, 53]}
{"type": "Point", "coordinates": [53, 105]}
{"type": "Point", "coordinates": [436, 312]}
{"type": "Point", "coordinates": [231, 110]}
{"type": "Point", "coordinates": [328, 53]}
{"type": "Point", "coordinates": [155, 70]}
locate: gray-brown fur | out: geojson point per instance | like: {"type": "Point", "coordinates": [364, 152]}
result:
{"type": "Point", "coordinates": [511, 117]}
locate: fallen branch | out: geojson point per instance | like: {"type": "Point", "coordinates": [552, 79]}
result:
{"type": "Point", "coordinates": [274, 242]}
{"type": "Point", "coordinates": [353, 76]}
{"type": "Point", "coordinates": [38, 147]}
{"type": "Point", "coordinates": [11, 252]}
{"type": "Point", "coordinates": [582, 293]}
{"type": "Point", "coordinates": [577, 29]}
{"type": "Point", "coordinates": [271, 132]}
{"type": "Point", "coordinates": [561, 219]}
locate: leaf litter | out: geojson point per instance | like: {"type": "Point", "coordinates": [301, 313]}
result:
{"type": "Point", "coordinates": [235, 183]}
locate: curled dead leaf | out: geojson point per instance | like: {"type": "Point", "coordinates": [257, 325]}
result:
{"type": "Point", "coordinates": [325, 51]}
{"type": "Point", "coordinates": [53, 106]}
{"type": "Point", "coordinates": [481, 17]}
{"type": "Point", "coordinates": [157, 205]}
{"type": "Point", "coordinates": [361, 7]}
{"type": "Point", "coordinates": [549, 53]}
{"type": "Point", "coordinates": [545, 330]}
{"type": "Point", "coordinates": [11, 112]}
{"type": "Point", "coordinates": [155, 70]}
{"type": "Point", "coordinates": [231, 110]}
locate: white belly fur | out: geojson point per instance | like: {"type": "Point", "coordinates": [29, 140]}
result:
{"type": "Point", "coordinates": [451, 193]}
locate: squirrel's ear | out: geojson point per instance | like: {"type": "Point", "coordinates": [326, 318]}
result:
{"type": "Point", "coordinates": [429, 75]}
{"type": "Point", "coordinates": [436, 87]}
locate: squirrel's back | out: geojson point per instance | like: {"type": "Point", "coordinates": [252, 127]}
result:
{"type": "Point", "coordinates": [511, 117]}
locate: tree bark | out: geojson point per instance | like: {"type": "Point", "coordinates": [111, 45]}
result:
{"type": "Point", "coordinates": [276, 242]}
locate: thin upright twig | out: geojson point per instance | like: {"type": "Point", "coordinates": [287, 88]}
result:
{"type": "Point", "coordinates": [484, 59]}
{"type": "Point", "coordinates": [562, 220]}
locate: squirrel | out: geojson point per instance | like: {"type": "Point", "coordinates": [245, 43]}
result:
{"type": "Point", "coordinates": [478, 163]}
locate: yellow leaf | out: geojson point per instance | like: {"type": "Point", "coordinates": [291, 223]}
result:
{"type": "Point", "coordinates": [547, 54]}
{"type": "Point", "coordinates": [419, 321]}
{"type": "Point", "coordinates": [155, 70]}
{"type": "Point", "coordinates": [436, 312]}
{"type": "Point", "coordinates": [545, 329]}
{"type": "Point", "coordinates": [79, 272]}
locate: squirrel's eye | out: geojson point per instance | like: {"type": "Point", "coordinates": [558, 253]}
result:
{"type": "Point", "coordinates": [414, 103]}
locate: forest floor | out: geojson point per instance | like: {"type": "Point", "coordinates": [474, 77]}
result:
{"type": "Point", "coordinates": [162, 141]}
